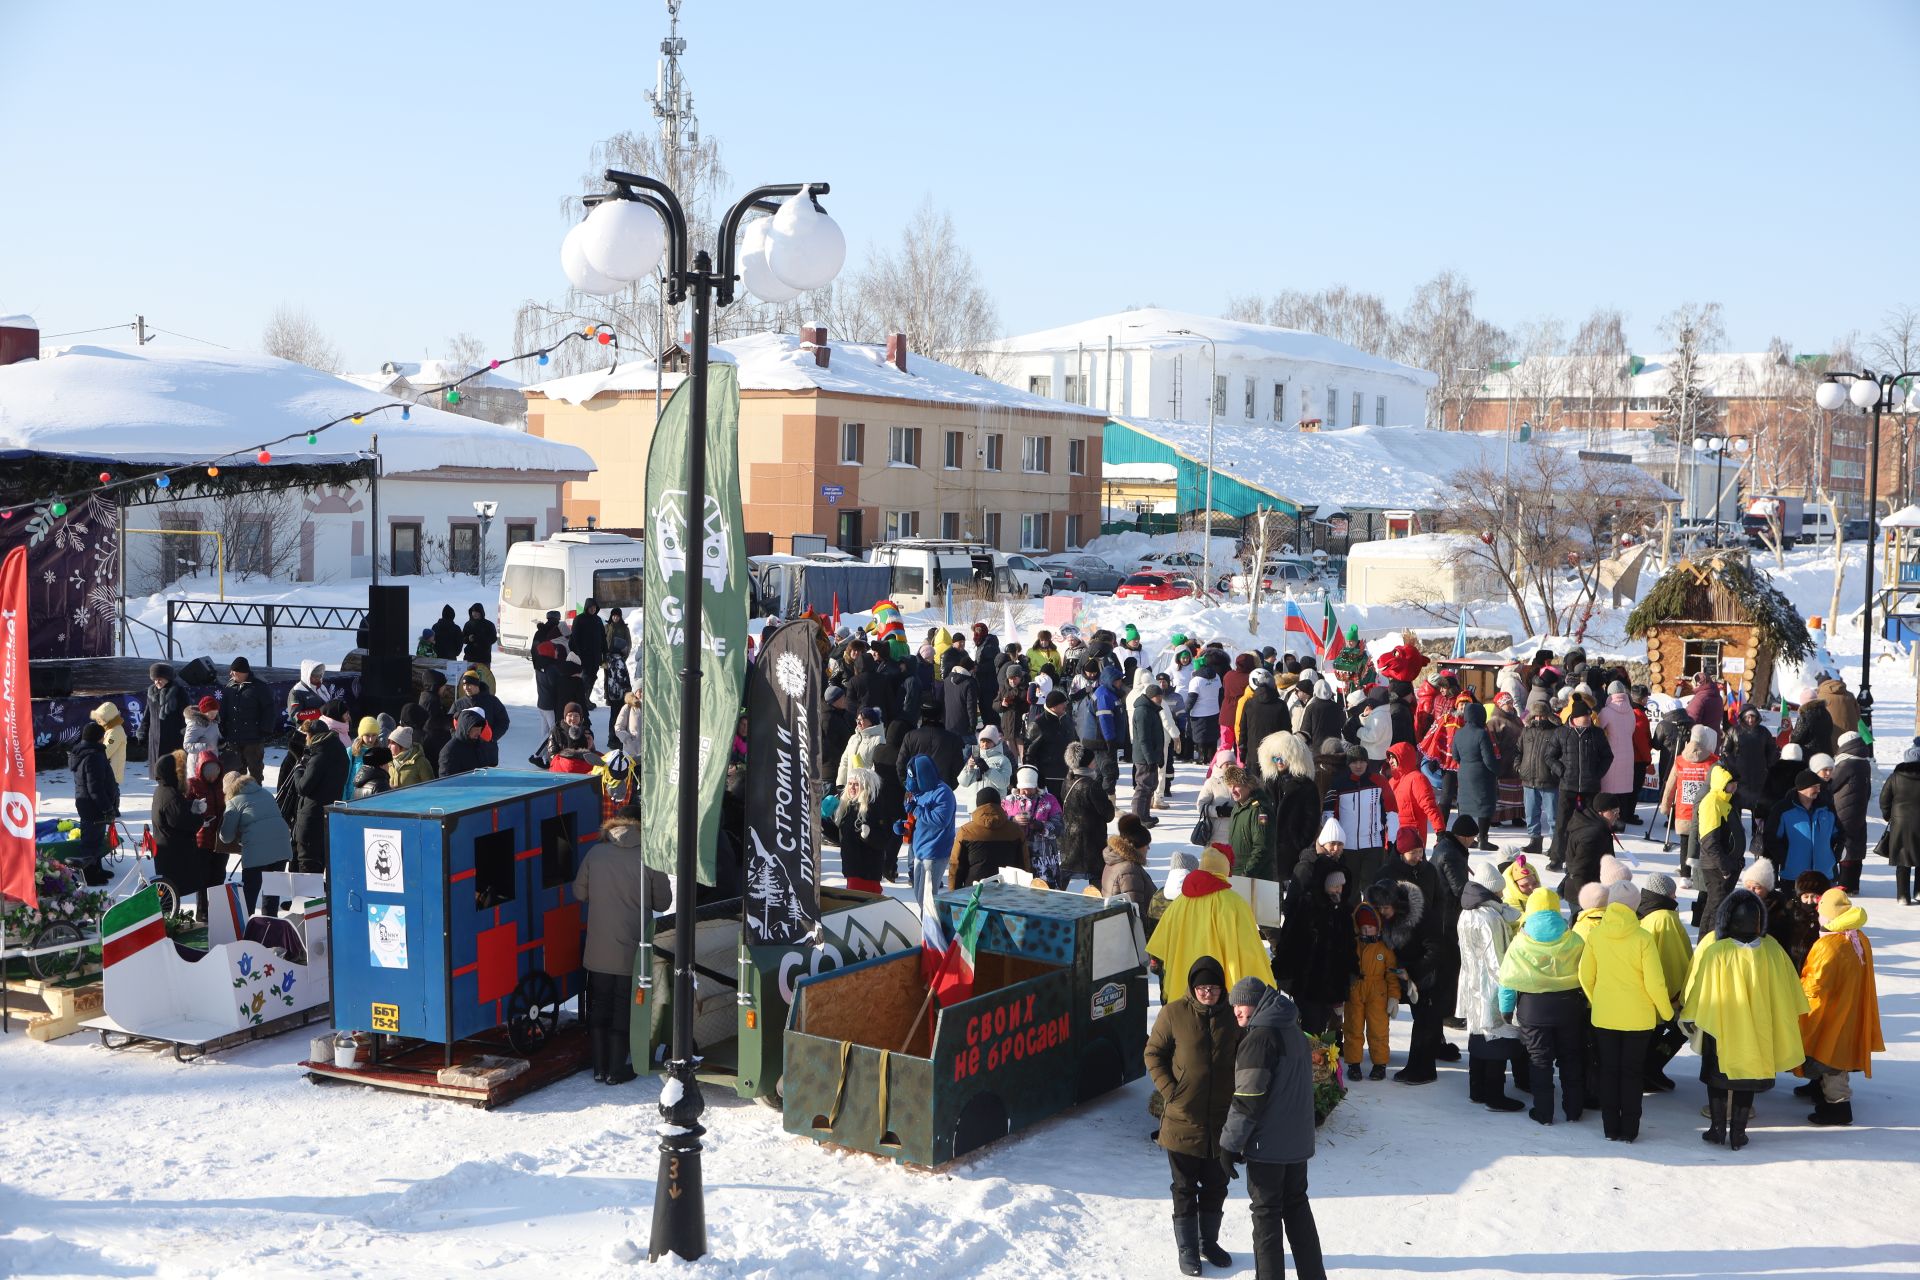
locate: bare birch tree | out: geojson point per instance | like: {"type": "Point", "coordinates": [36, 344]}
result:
{"type": "Point", "coordinates": [1441, 333]}
{"type": "Point", "coordinates": [292, 334]}
{"type": "Point", "coordinates": [1896, 349]}
{"type": "Point", "coordinates": [1598, 375]}
{"type": "Point", "coordinates": [928, 288]}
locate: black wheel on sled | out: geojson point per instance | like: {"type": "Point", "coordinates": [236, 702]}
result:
{"type": "Point", "coordinates": [533, 1013]}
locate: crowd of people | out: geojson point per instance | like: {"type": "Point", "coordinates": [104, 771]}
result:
{"type": "Point", "coordinates": [1368, 799]}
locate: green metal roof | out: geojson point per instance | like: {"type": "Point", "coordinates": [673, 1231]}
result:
{"type": "Point", "coordinates": [1122, 443]}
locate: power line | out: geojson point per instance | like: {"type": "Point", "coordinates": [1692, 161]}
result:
{"type": "Point", "coordinates": [190, 338]}
{"type": "Point", "coordinates": [74, 333]}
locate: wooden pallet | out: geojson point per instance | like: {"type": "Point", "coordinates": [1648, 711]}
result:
{"type": "Point", "coordinates": [414, 1066]}
{"type": "Point", "coordinates": [55, 1009]}
{"type": "Point", "coordinates": [115, 1037]}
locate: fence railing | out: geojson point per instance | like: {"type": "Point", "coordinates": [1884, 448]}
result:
{"type": "Point", "coordinates": [238, 613]}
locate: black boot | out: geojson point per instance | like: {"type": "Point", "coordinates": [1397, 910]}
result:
{"type": "Point", "coordinates": [1490, 1089]}
{"type": "Point", "coordinates": [618, 1072]}
{"type": "Point", "coordinates": [1716, 1118]}
{"type": "Point", "coordinates": [597, 1042]}
{"type": "Point", "coordinates": [1832, 1113]}
{"type": "Point", "coordinates": [1737, 1122]}
{"type": "Point", "coordinates": [1811, 1089]}
{"type": "Point", "coordinates": [1476, 1081]}
{"type": "Point", "coordinates": [1210, 1241]}
{"type": "Point", "coordinates": [1610, 1123]}
{"type": "Point", "coordinates": [1531, 847]}
{"type": "Point", "coordinates": [1186, 1238]}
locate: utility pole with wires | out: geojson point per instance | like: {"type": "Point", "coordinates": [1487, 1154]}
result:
{"type": "Point", "coordinates": [140, 329]}
{"type": "Point", "coordinates": [673, 108]}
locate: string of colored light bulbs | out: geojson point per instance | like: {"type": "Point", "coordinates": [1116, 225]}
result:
{"type": "Point", "coordinates": [263, 452]}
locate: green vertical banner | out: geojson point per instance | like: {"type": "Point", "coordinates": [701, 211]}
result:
{"type": "Point", "coordinates": [716, 549]}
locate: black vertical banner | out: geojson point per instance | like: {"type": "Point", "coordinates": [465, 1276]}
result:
{"type": "Point", "coordinates": [784, 687]}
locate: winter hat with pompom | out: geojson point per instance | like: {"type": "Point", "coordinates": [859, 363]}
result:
{"type": "Point", "coordinates": [1760, 873]}
{"type": "Point", "coordinates": [1612, 870]}
{"type": "Point", "coordinates": [1330, 833]}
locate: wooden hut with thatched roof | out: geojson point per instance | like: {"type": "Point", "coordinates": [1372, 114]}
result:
{"type": "Point", "coordinates": [1721, 617]}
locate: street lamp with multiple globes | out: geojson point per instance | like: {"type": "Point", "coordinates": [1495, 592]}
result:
{"type": "Point", "coordinates": [1719, 447]}
{"type": "Point", "coordinates": [778, 258]}
{"type": "Point", "coordinates": [1867, 390]}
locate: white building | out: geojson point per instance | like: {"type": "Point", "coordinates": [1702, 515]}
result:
{"type": "Point", "coordinates": [1260, 374]}
{"type": "Point", "coordinates": [491, 396]}
{"type": "Point", "coordinates": [149, 407]}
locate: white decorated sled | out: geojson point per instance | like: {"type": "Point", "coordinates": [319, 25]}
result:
{"type": "Point", "coordinates": [256, 978]}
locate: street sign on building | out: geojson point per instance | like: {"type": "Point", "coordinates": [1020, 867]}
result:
{"type": "Point", "coordinates": [833, 493]}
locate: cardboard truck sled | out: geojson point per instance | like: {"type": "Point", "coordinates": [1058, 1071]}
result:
{"type": "Point", "coordinates": [1058, 1015]}
{"type": "Point", "coordinates": [254, 971]}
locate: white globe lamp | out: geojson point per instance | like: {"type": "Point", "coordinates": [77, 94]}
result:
{"type": "Point", "coordinates": [1864, 393]}
{"type": "Point", "coordinates": [623, 239]}
{"type": "Point", "coordinates": [580, 272]}
{"type": "Point", "coordinates": [1830, 395]}
{"type": "Point", "coordinates": [755, 274]}
{"type": "Point", "coordinates": [805, 247]}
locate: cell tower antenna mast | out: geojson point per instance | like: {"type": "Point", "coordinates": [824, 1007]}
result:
{"type": "Point", "coordinates": [679, 134]}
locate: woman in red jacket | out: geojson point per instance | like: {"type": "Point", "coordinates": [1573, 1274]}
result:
{"type": "Point", "coordinates": [1412, 793]}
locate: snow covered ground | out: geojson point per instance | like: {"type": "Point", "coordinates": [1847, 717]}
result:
{"type": "Point", "coordinates": [132, 1164]}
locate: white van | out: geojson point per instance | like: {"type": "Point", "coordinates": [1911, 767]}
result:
{"type": "Point", "coordinates": [922, 568]}
{"type": "Point", "coordinates": [560, 573]}
{"type": "Point", "coordinates": [1816, 525]}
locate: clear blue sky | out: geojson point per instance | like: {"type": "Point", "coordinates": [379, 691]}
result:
{"type": "Point", "coordinates": [396, 168]}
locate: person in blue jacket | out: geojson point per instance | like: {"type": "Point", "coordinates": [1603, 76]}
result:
{"type": "Point", "coordinates": [1806, 829]}
{"type": "Point", "coordinates": [930, 806]}
{"type": "Point", "coordinates": [1110, 714]}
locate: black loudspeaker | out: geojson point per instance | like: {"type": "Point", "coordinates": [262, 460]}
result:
{"type": "Point", "coordinates": [199, 673]}
{"type": "Point", "coordinates": [387, 622]}
{"type": "Point", "coordinates": [386, 683]}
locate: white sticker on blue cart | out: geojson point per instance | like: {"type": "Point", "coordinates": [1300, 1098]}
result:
{"type": "Point", "coordinates": [387, 936]}
{"type": "Point", "coordinates": [385, 874]}
{"type": "Point", "coordinates": [1109, 1000]}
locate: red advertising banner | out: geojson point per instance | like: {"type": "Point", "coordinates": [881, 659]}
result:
{"type": "Point", "coordinates": [17, 791]}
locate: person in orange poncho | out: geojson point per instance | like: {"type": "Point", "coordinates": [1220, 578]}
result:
{"type": "Point", "coordinates": [1205, 917]}
{"type": "Point", "coordinates": [1842, 1032]}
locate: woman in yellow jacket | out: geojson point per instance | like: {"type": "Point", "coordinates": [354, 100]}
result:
{"type": "Point", "coordinates": [1743, 1007]}
{"type": "Point", "coordinates": [1621, 974]}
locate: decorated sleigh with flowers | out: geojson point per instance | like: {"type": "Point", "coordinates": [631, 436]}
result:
{"type": "Point", "coordinates": [257, 977]}
{"type": "Point", "coordinates": [1329, 1087]}
{"type": "Point", "coordinates": [51, 942]}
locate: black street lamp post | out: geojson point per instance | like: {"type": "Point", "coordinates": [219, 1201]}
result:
{"type": "Point", "coordinates": [1867, 390]}
{"type": "Point", "coordinates": [627, 250]}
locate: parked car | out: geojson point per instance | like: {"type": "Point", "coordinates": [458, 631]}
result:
{"type": "Point", "coordinates": [1154, 586]}
{"type": "Point", "coordinates": [1082, 573]}
{"type": "Point", "coordinates": [923, 568]}
{"type": "Point", "coordinates": [1277, 575]}
{"type": "Point", "coordinates": [1167, 561]}
{"type": "Point", "coordinates": [1854, 530]}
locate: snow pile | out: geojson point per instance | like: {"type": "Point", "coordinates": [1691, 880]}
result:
{"type": "Point", "coordinates": [783, 362]}
{"type": "Point", "coordinates": [156, 405]}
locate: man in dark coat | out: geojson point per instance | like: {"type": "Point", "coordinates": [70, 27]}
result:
{"type": "Point", "coordinates": [1587, 837]}
{"type": "Point", "coordinates": [1580, 757]}
{"type": "Point", "coordinates": [473, 693]}
{"type": "Point", "coordinates": [249, 715]}
{"type": "Point", "coordinates": [447, 637]}
{"type": "Point", "coordinates": [96, 800]}
{"type": "Point", "coordinates": [987, 679]}
{"type": "Point", "coordinates": [949, 751]}
{"type": "Point", "coordinates": [1323, 717]}
{"type": "Point", "coordinates": [1190, 1057]}
{"type": "Point", "coordinates": [1478, 786]}
{"type": "Point", "coordinates": [1149, 737]}
{"type": "Point", "coordinates": [1749, 756]}
{"type": "Point", "coordinates": [1087, 809]}
{"type": "Point", "coordinates": [166, 703]}
{"type": "Point", "coordinates": [478, 637]}
{"type": "Point", "coordinates": [1428, 950]}
{"type": "Point", "coordinates": [1262, 712]}
{"type": "Point", "coordinates": [1900, 806]}
{"type": "Point", "coordinates": [836, 728]}
{"type": "Point", "coordinates": [468, 748]}
{"type": "Point", "coordinates": [589, 644]}
{"type": "Point", "coordinates": [1047, 743]}
{"type": "Point", "coordinates": [1400, 706]}
{"type": "Point", "coordinates": [986, 842]}
{"type": "Point", "coordinates": [321, 781]}
{"type": "Point", "coordinates": [1270, 1126]}
{"type": "Point", "coordinates": [960, 698]}
{"type": "Point", "coordinates": [1848, 786]}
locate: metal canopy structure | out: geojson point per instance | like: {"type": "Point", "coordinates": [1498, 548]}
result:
{"type": "Point", "coordinates": [290, 617]}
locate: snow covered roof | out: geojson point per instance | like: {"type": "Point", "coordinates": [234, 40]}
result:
{"type": "Point", "coordinates": [169, 405]}
{"type": "Point", "coordinates": [1152, 328]}
{"type": "Point", "coordinates": [783, 362]}
{"type": "Point", "coordinates": [1384, 468]}
{"type": "Point", "coordinates": [18, 322]}
{"type": "Point", "coordinates": [1141, 472]}
{"type": "Point", "coordinates": [424, 375]}
{"type": "Point", "coordinates": [1646, 448]}
{"type": "Point", "coordinates": [1722, 373]}
{"type": "Point", "coordinates": [1425, 546]}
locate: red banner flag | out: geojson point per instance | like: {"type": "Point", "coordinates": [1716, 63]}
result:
{"type": "Point", "coordinates": [17, 792]}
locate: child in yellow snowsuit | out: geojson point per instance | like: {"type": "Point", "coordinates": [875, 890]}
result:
{"type": "Point", "coordinates": [1373, 997]}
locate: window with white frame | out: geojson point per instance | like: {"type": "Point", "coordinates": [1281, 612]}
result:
{"type": "Point", "coordinates": [1076, 388]}
{"type": "Point", "coordinates": [1033, 531]}
{"type": "Point", "coordinates": [1076, 457]}
{"type": "Point", "coordinates": [1279, 402]}
{"type": "Point", "coordinates": [992, 524]}
{"type": "Point", "coordinates": [1379, 411]}
{"type": "Point", "coordinates": [903, 524]}
{"type": "Point", "coordinates": [1040, 384]}
{"type": "Point", "coordinates": [1333, 407]}
{"type": "Point", "coordinates": [1249, 399]}
{"type": "Point", "coordinates": [956, 450]}
{"type": "Point", "coordinates": [1220, 395]}
{"type": "Point", "coordinates": [903, 446]}
{"type": "Point", "coordinates": [853, 442]}
{"type": "Point", "coordinates": [1036, 454]}
{"type": "Point", "coordinates": [950, 524]}
{"type": "Point", "coordinates": [995, 452]}
{"type": "Point", "coordinates": [1359, 409]}
{"type": "Point", "coordinates": [1073, 530]}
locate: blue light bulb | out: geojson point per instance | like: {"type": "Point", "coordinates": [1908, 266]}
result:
{"type": "Point", "coordinates": [163, 480]}
{"type": "Point", "coordinates": [543, 357]}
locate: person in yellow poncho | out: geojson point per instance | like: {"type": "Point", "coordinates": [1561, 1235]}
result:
{"type": "Point", "coordinates": [1521, 878]}
{"type": "Point", "coordinates": [1659, 911]}
{"type": "Point", "coordinates": [1620, 972]}
{"type": "Point", "coordinates": [1841, 1029]}
{"type": "Point", "coordinates": [1743, 1003]}
{"type": "Point", "coordinates": [1207, 918]}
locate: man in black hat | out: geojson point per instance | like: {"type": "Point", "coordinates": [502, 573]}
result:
{"type": "Point", "coordinates": [248, 717]}
{"type": "Point", "coordinates": [590, 645]}
{"type": "Point", "coordinates": [166, 703]}
{"type": "Point", "coordinates": [474, 694]}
